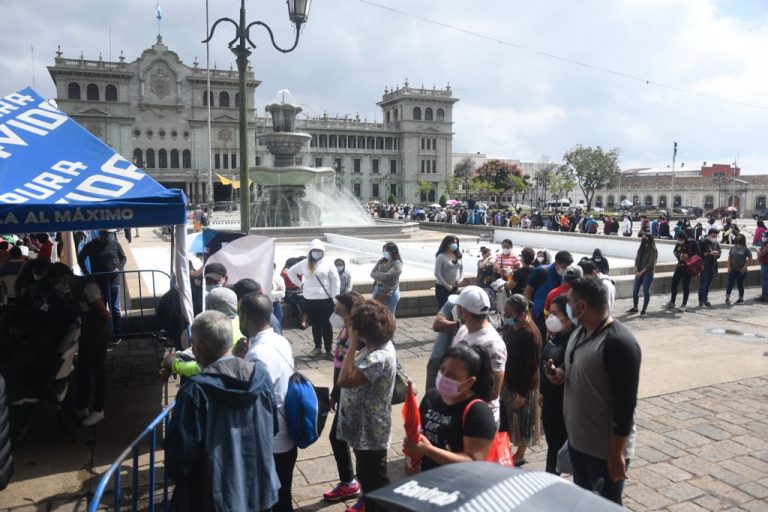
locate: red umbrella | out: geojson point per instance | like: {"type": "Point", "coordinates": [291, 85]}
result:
{"type": "Point", "coordinates": [412, 420]}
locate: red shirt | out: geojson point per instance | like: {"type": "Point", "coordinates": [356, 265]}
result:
{"type": "Point", "coordinates": [505, 262]}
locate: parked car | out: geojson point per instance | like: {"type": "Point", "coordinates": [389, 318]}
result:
{"type": "Point", "coordinates": [694, 210]}
{"type": "Point", "coordinates": [761, 214]}
{"type": "Point", "coordinates": [724, 211]}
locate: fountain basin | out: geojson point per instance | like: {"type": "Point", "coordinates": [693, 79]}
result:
{"type": "Point", "coordinates": [294, 175]}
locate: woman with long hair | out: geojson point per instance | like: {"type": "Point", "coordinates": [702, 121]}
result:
{"type": "Point", "coordinates": [386, 274]}
{"type": "Point", "coordinates": [457, 424]}
{"type": "Point", "coordinates": [521, 376]}
{"type": "Point", "coordinates": [348, 485]}
{"type": "Point", "coordinates": [757, 240]}
{"type": "Point", "coordinates": [645, 266]}
{"type": "Point", "coordinates": [449, 270]}
{"type": "Point", "coordinates": [320, 284]}
{"type": "Point", "coordinates": [559, 329]}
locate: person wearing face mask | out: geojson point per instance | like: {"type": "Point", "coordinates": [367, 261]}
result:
{"type": "Point", "coordinates": [600, 261]}
{"type": "Point", "coordinates": [320, 284]}
{"type": "Point", "coordinates": [215, 276]}
{"type": "Point", "coordinates": [386, 276]}
{"type": "Point", "coordinates": [456, 423]}
{"type": "Point", "coordinates": [446, 324]}
{"type": "Point", "coordinates": [710, 253]}
{"type": "Point", "coordinates": [506, 261]}
{"type": "Point", "coordinates": [543, 279]}
{"type": "Point", "coordinates": [485, 268]}
{"type": "Point", "coordinates": [572, 273]}
{"type": "Point", "coordinates": [645, 266]}
{"type": "Point", "coordinates": [86, 297]}
{"type": "Point", "coordinates": [542, 258]}
{"type": "Point", "coordinates": [268, 347]}
{"type": "Point", "coordinates": [521, 376]}
{"type": "Point", "coordinates": [684, 249]}
{"type": "Point", "coordinates": [601, 374]}
{"type": "Point", "coordinates": [551, 396]}
{"type": "Point", "coordinates": [449, 270]}
{"type": "Point", "coordinates": [345, 277]}
{"type": "Point", "coordinates": [473, 309]}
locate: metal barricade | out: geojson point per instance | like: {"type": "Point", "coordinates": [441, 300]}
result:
{"type": "Point", "coordinates": [134, 299]}
{"type": "Point", "coordinates": [150, 434]}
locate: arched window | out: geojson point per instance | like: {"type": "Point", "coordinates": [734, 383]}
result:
{"type": "Point", "coordinates": [389, 119]}
{"type": "Point", "coordinates": [610, 202]}
{"type": "Point", "coordinates": [207, 96]}
{"type": "Point", "coordinates": [162, 159]}
{"type": "Point", "coordinates": [662, 201]}
{"type": "Point", "coordinates": [110, 93]}
{"type": "Point", "coordinates": [677, 202]}
{"type": "Point", "coordinates": [138, 158]}
{"type": "Point", "coordinates": [431, 196]}
{"type": "Point", "coordinates": [237, 100]}
{"type": "Point", "coordinates": [635, 199]}
{"type": "Point", "coordinates": [174, 159]}
{"type": "Point", "coordinates": [416, 114]}
{"type": "Point", "coordinates": [223, 99]}
{"type": "Point", "coordinates": [428, 114]}
{"type": "Point", "coordinates": [599, 201]}
{"type": "Point", "coordinates": [760, 203]}
{"type": "Point", "coordinates": [709, 202]}
{"type": "Point", "coordinates": [395, 115]}
{"type": "Point", "coordinates": [186, 159]}
{"type": "Point", "coordinates": [92, 92]}
{"type": "Point", "coordinates": [648, 201]}
{"type": "Point", "coordinates": [440, 115]}
{"type": "Point", "coordinates": [73, 91]}
{"type": "Point", "coordinates": [150, 159]}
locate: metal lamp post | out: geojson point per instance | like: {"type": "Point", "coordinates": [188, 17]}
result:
{"type": "Point", "coordinates": [298, 12]}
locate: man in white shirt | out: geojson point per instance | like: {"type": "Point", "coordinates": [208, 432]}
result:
{"type": "Point", "coordinates": [275, 352]}
{"type": "Point", "coordinates": [472, 307]}
{"type": "Point", "coordinates": [590, 270]}
{"type": "Point", "coordinates": [626, 226]}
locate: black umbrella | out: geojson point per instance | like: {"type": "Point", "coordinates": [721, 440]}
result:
{"type": "Point", "coordinates": [486, 487]}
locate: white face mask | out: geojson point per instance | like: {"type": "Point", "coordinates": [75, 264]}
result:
{"type": "Point", "coordinates": [540, 259]}
{"type": "Point", "coordinates": [554, 324]}
{"type": "Point", "coordinates": [561, 271]}
{"type": "Point", "coordinates": [506, 251]}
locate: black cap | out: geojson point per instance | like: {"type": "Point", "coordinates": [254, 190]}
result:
{"type": "Point", "coordinates": [216, 268]}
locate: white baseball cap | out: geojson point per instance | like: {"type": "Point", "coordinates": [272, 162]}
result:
{"type": "Point", "coordinates": [473, 299]}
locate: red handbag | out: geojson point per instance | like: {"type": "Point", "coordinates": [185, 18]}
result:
{"type": "Point", "coordinates": [694, 265]}
{"type": "Point", "coordinates": [500, 451]}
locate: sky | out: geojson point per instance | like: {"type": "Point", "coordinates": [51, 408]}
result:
{"type": "Point", "coordinates": [533, 78]}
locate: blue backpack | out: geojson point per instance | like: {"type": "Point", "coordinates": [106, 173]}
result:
{"type": "Point", "coordinates": [306, 410]}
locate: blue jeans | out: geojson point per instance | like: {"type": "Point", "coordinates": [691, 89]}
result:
{"type": "Point", "coordinates": [764, 277]}
{"type": "Point", "coordinates": [393, 299]}
{"type": "Point", "coordinates": [737, 278]}
{"type": "Point", "coordinates": [277, 309]}
{"type": "Point", "coordinates": [705, 282]}
{"type": "Point", "coordinates": [591, 473]}
{"type": "Point", "coordinates": [645, 281]}
{"type": "Point", "coordinates": [109, 283]}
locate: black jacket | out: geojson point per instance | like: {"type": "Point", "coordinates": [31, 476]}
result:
{"type": "Point", "coordinates": [6, 460]}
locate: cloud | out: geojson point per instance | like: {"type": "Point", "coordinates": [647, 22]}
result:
{"type": "Point", "coordinates": [513, 103]}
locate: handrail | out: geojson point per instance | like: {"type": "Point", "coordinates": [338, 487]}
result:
{"type": "Point", "coordinates": [150, 432]}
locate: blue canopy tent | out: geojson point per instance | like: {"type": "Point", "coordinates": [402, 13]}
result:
{"type": "Point", "coordinates": [57, 176]}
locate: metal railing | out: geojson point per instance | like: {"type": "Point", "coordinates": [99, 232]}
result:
{"type": "Point", "coordinates": [114, 472]}
{"type": "Point", "coordinates": [135, 299]}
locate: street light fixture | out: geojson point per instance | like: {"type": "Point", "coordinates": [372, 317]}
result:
{"type": "Point", "coordinates": [298, 13]}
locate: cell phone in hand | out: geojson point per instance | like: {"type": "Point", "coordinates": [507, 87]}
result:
{"type": "Point", "coordinates": [551, 368]}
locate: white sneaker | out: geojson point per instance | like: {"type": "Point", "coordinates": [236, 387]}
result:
{"type": "Point", "coordinates": [93, 418]}
{"type": "Point", "coordinates": [682, 308]}
{"type": "Point", "coordinates": [82, 413]}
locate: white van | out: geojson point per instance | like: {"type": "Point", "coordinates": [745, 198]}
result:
{"type": "Point", "coordinates": [559, 204]}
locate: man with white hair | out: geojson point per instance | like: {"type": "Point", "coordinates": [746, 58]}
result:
{"type": "Point", "coordinates": [239, 474]}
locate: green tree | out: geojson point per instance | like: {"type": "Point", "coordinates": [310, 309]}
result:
{"type": "Point", "coordinates": [424, 188]}
{"type": "Point", "coordinates": [443, 200]}
{"type": "Point", "coordinates": [593, 169]}
{"type": "Point", "coordinates": [451, 185]}
{"type": "Point", "coordinates": [500, 175]}
{"type": "Point", "coordinates": [392, 199]}
{"type": "Point", "coordinates": [561, 183]}
{"type": "Point", "coordinates": [464, 171]}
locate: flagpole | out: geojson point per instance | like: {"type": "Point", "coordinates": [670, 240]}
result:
{"type": "Point", "coordinates": [208, 102]}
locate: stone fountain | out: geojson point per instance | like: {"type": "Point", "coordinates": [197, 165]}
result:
{"type": "Point", "coordinates": [285, 185]}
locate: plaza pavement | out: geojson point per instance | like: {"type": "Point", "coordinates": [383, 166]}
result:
{"type": "Point", "coordinates": [702, 417]}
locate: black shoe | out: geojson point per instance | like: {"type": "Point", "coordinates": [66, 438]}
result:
{"type": "Point", "coordinates": [740, 301]}
{"type": "Point", "coordinates": [708, 305]}
{"type": "Point", "coordinates": [643, 313]}
{"type": "Point", "coordinates": [116, 340]}
{"type": "Point", "coordinates": [632, 310]}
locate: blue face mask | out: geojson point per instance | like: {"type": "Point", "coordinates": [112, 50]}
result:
{"type": "Point", "coordinates": [454, 247]}
{"type": "Point", "coordinates": [386, 255]}
{"type": "Point", "coordinates": [569, 312]}
{"type": "Point", "coordinates": [510, 321]}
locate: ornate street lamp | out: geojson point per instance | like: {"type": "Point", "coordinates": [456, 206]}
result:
{"type": "Point", "coordinates": [298, 13]}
